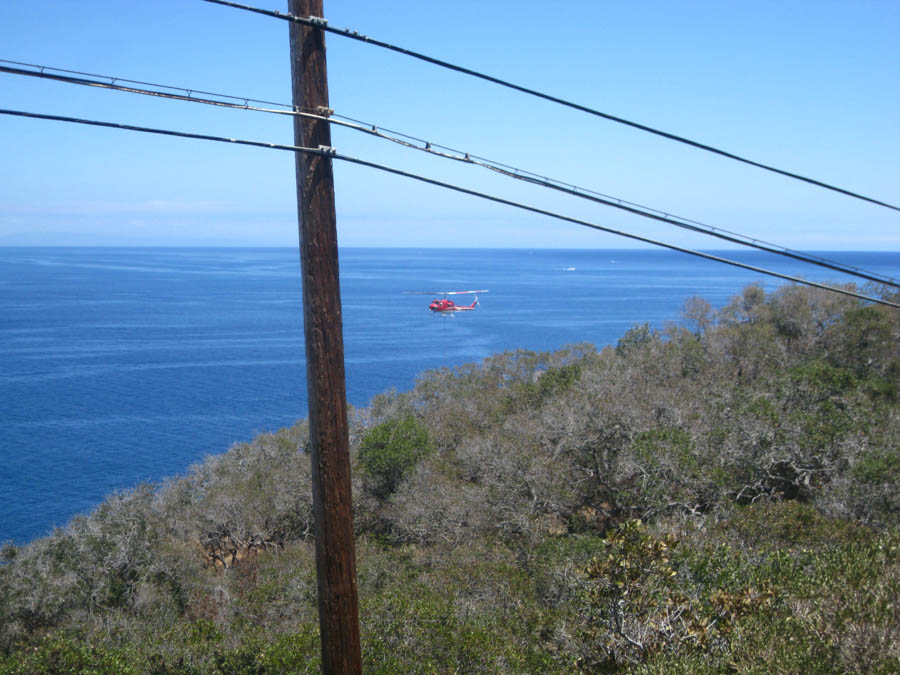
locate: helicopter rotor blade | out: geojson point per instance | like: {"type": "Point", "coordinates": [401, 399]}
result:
{"type": "Point", "coordinates": [443, 292]}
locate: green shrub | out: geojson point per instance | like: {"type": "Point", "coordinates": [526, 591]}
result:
{"type": "Point", "coordinates": [790, 524]}
{"type": "Point", "coordinates": [824, 378]}
{"type": "Point", "coordinates": [527, 396]}
{"type": "Point", "coordinates": [878, 466]}
{"type": "Point", "coordinates": [636, 337]}
{"type": "Point", "coordinates": [388, 451]}
{"type": "Point", "coordinates": [62, 654]}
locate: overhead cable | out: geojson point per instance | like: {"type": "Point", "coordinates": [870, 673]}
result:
{"type": "Point", "coordinates": [447, 153]}
{"type": "Point", "coordinates": [166, 132]}
{"type": "Point", "coordinates": [113, 83]}
{"type": "Point", "coordinates": [331, 152]}
{"type": "Point", "coordinates": [321, 23]}
{"type": "Point", "coordinates": [114, 80]}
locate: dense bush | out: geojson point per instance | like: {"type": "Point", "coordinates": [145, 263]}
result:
{"type": "Point", "coordinates": [389, 451]}
{"type": "Point", "coordinates": [719, 496]}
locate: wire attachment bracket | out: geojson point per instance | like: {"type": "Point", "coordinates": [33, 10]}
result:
{"type": "Point", "coordinates": [318, 21]}
{"type": "Point", "coordinates": [327, 150]}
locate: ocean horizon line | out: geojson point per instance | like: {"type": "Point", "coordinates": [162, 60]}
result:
{"type": "Point", "coordinates": [645, 249]}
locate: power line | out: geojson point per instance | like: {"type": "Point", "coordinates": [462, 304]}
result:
{"type": "Point", "coordinates": [458, 155]}
{"type": "Point", "coordinates": [321, 23]}
{"type": "Point", "coordinates": [113, 84]}
{"type": "Point", "coordinates": [331, 152]}
{"type": "Point", "coordinates": [166, 132]}
{"type": "Point", "coordinates": [114, 80]}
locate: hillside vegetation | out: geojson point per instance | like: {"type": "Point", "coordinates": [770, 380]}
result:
{"type": "Point", "coordinates": [721, 496]}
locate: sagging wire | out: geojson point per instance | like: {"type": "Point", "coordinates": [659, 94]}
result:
{"type": "Point", "coordinates": [114, 80]}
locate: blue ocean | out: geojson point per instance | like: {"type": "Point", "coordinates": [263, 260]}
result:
{"type": "Point", "coordinates": [122, 365]}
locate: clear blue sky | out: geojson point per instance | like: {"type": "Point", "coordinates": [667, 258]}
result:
{"type": "Point", "coordinates": [812, 87]}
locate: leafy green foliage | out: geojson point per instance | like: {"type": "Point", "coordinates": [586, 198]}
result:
{"type": "Point", "coordinates": [67, 655]}
{"type": "Point", "coordinates": [878, 467]}
{"type": "Point", "coordinates": [635, 337]}
{"type": "Point", "coordinates": [791, 525]}
{"type": "Point", "coordinates": [528, 396]}
{"type": "Point", "coordinates": [388, 452]}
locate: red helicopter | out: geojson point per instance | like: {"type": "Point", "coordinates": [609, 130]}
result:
{"type": "Point", "coordinates": [447, 307]}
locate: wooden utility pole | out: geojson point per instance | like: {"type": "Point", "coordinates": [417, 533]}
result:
{"type": "Point", "coordinates": [329, 439]}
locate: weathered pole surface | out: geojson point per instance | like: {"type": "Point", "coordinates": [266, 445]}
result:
{"type": "Point", "coordinates": [329, 440]}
